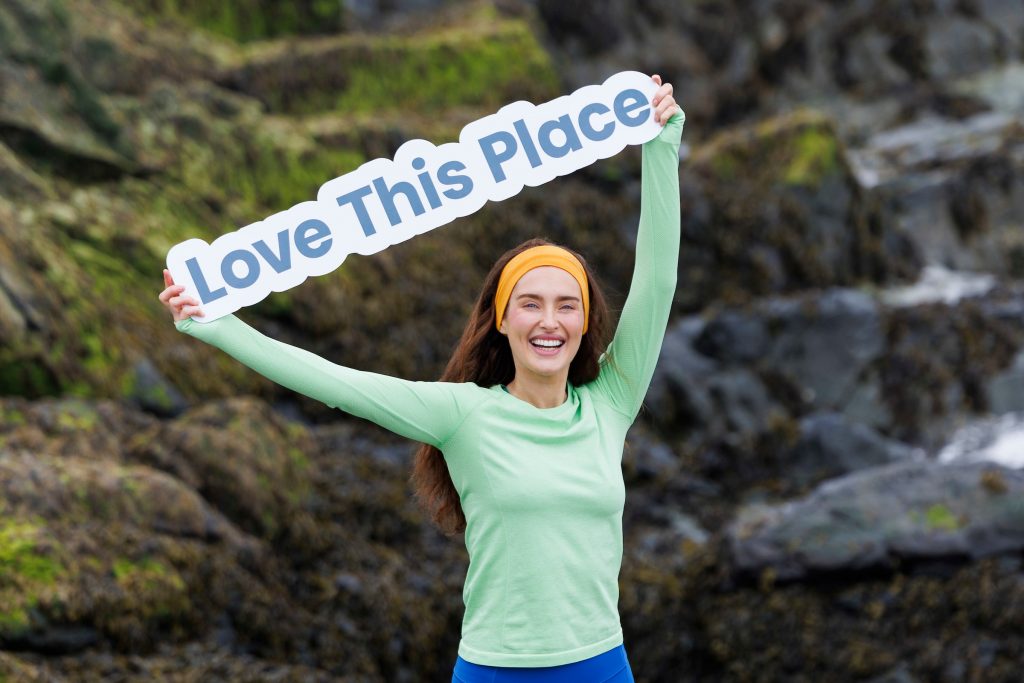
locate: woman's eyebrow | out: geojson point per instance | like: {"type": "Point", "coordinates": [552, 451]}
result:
{"type": "Point", "coordinates": [538, 296]}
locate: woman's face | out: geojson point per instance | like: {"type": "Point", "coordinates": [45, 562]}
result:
{"type": "Point", "coordinates": [544, 322]}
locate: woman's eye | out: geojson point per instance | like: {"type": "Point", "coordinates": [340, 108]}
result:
{"type": "Point", "coordinates": [530, 304]}
{"type": "Point", "coordinates": [568, 307]}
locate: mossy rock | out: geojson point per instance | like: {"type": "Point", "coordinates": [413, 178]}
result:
{"type": "Point", "coordinates": [252, 464]}
{"type": "Point", "coordinates": [774, 207]}
{"type": "Point", "coordinates": [114, 552]}
{"type": "Point", "coordinates": [483, 60]}
{"type": "Point", "coordinates": [246, 20]}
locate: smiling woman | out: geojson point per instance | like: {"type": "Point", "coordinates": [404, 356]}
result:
{"type": "Point", "coordinates": [522, 437]}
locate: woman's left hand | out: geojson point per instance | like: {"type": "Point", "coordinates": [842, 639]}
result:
{"type": "Point", "coordinates": [664, 104]}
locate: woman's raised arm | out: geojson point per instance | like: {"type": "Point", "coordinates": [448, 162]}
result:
{"type": "Point", "coordinates": [629, 362]}
{"type": "Point", "coordinates": [422, 411]}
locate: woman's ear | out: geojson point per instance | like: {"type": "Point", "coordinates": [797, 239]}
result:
{"type": "Point", "coordinates": [504, 327]}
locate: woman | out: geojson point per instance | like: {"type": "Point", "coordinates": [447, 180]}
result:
{"type": "Point", "coordinates": [530, 420]}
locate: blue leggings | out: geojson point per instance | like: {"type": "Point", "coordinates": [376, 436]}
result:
{"type": "Point", "coordinates": [608, 667]}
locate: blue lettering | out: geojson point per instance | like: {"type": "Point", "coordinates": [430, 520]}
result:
{"type": "Point", "coordinates": [387, 198]}
{"type": "Point", "coordinates": [629, 101]}
{"type": "Point", "coordinates": [228, 273]}
{"type": "Point", "coordinates": [205, 295]}
{"type": "Point", "coordinates": [308, 232]}
{"type": "Point", "coordinates": [588, 130]}
{"type": "Point", "coordinates": [278, 264]}
{"type": "Point", "coordinates": [494, 160]}
{"type": "Point", "coordinates": [355, 198]}
{"type": "Point", "coordinates": [572, 140]}
{"type": "Point", "coordinates": [426, 183]}
{"type": "Point", "coordinates": [444, 175]}
{"type": "Point", "coordinates": [528, 146]}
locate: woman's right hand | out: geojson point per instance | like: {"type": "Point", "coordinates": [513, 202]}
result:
{"type": "Point", "coordinates": [181, 307]}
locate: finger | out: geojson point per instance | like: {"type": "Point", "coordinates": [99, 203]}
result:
{"type": "Point", "coordinates": [656, 78]}
{"type": "Point", "coordinates": [187, 311]}
{"type": "Point", "coordinates": [169, 292]}
{"type": "Point", "coordinates": [666, 109]}
{"type": "Point", "coordinates": [168, 280]}
{"type": "Point", "coordinates": [663, 92]}
{"type": "Point", "coordinates": [182, 300]}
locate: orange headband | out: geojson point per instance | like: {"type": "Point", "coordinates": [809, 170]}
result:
{"type": "Point", "coordinates": [544, 255]}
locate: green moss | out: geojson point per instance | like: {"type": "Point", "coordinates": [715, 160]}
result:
{"type": "Point", "coordinates": [19, 561]}
{"type": "Point", "coordinates": [245, 20]}
{"type": "Point", "coordinates": [22, 373]}
{"type": "Point", "coordinates": [13, 621]}
{"type": "Point", "coordinates": [815, 153]}
{"type": "Point", "coordinates": [78, 417]}
{"type": "Point", "coordinates": [298, 458]}
{"type": "Point", "coordinates": [152, 588]}
{"type": "Point", "coordinates": [12, 418]}
{"type": "Point", "coordinates": [25, 573]}
{"type": "Point", "coordinates": [279, 179]}
{"type": "Point", "coordinates": [470, 66]}
{"type": "Point", "coordinates": [939, 517]}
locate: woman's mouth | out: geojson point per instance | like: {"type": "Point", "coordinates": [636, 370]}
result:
{"type": "Point", "coordinates": [547, 346]}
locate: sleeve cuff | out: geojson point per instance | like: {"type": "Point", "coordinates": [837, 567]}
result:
{"type": "Point", "coordinates": [672, 131]}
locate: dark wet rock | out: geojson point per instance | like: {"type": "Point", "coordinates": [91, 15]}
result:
{"type": "Point", "coordinates": [647, 459]}
{"type": "Point", "coordinates": [879, 517]}
{"type": "Point", "coordinates": [824, 344]}
{"type": "Point", "coordinates": [1004, 393]}
{"type": "Point", "coordinates": [152, 392]}
{"type": "Point", "coordinates": [957, 45]}
{"type": "Point", "coordinates": [739, 372]}
{"type": "Point", "coordinates": [677, 396]}
{"type": "Point", "coordinates": [938, 359]}
{"type": "Point", "coordinates": [899, 674]}
{"type": "Point", "coordinates": [955, 187]}
{"type": "Point", "coordinates": [830, 445]}
{"type": "Point", "coordinates": [742, 58]}
{"type": "Point", "coordinates": [732, 337]}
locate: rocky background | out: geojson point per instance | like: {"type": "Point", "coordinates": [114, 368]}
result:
{"type": "Point", "coordinates": [825, 485]}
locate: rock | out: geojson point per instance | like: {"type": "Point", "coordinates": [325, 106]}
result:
{"type": "Point", "coordinates": [732, 337]}
{"type": "Point", "coordinates": [825, 346]}
{"type": "Point", "coordinates": [151, 391]}
{"type": "Point", "coordinates": [875, 518]}
{"type": "Point", "coordinates": [774, 207]}
{"type": "Point", "coordinates": [47, 109]}
{"type": "Point", "coordinates": [363, 73]}
{"type": "Point", "coordinates": [251, 464]}
{"type": "Point", "coordinates": [99, 552]}
{"type": "Point", "coordinates": [955, 46]}
{"type": "Point", "coordinates": [1004, 393]}
{"type": "Point", "coordinates": [954, 187]}
{"type": "Point", "coordinates": [830, 445]}
{"type": "Point", "coordinates": [900, 674]}
{"type": "Point", "coordinates": [677, 396]}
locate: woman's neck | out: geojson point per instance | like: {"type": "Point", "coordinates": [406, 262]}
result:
{"type": "Point", "coordinates": [541, 392]}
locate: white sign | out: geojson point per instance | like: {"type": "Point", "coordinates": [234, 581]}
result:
{"type": "Point", "coordinates": [385, 201]}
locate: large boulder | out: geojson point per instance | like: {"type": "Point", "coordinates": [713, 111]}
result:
{"type": "Point", "coordinates": [879, 517]}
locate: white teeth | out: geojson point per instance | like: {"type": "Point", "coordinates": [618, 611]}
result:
{"type": "Point", "coordinates": [549, 343]}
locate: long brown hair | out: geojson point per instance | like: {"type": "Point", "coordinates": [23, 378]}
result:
{"type": "Point", "coordinates": [483, 356]}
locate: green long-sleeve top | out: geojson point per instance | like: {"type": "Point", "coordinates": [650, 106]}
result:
{"type": "Point", "coordinates": [541, 488]}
